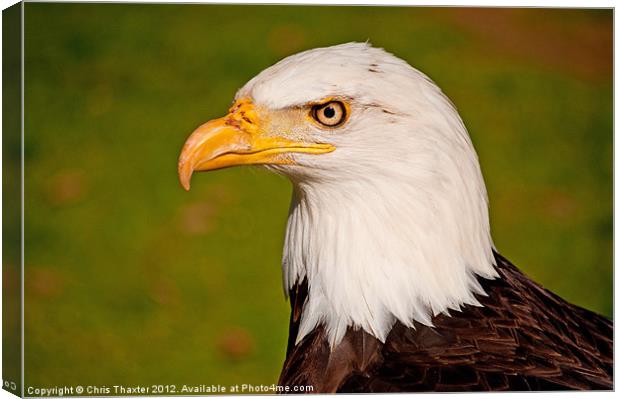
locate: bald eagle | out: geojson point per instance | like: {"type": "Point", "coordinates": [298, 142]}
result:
{"type": "Point", "coordinates": [393, 279]}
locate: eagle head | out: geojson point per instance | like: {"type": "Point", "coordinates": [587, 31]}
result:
{"type": "Point", "coordinates": [389, 216]}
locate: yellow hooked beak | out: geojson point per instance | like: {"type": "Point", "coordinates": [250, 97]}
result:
{"type": "Point", "coordinates": [237, 139]}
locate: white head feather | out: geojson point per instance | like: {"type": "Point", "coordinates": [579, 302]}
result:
{"type": "Point", "coordinates": [392, 225]}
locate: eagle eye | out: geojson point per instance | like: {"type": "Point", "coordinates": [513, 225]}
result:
{"type": "Point", "coordinates": [330, 114]}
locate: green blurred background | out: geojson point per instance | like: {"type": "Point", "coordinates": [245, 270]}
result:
{"type": "Point", "coordinates": [131, 280]}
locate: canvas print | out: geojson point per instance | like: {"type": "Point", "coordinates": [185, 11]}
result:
{"type": "Point", "coordinates": [236, 199]}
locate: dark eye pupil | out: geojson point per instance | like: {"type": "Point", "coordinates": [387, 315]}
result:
{"type": "Point", "coordinates": [329, 112]}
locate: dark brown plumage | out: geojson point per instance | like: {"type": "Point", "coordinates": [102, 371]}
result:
{"type": "Point", "coordinates": [522, 338]}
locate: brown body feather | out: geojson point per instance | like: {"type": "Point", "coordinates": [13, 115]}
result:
{"type": "Point", "coordinates": [522, 338]}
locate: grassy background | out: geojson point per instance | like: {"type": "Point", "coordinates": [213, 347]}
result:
{"type": "Point", "coordinates": [132, 280]}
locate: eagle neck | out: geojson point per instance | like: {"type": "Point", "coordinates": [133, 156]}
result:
{"type": "Point", "coordinates": [374, 253]}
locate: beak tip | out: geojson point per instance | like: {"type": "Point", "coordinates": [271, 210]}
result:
{"type": "Point", "coordinates": [185, 175]}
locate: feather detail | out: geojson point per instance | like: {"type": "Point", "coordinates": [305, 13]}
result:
{"type": "Point", "coordinates": [522, 338]}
